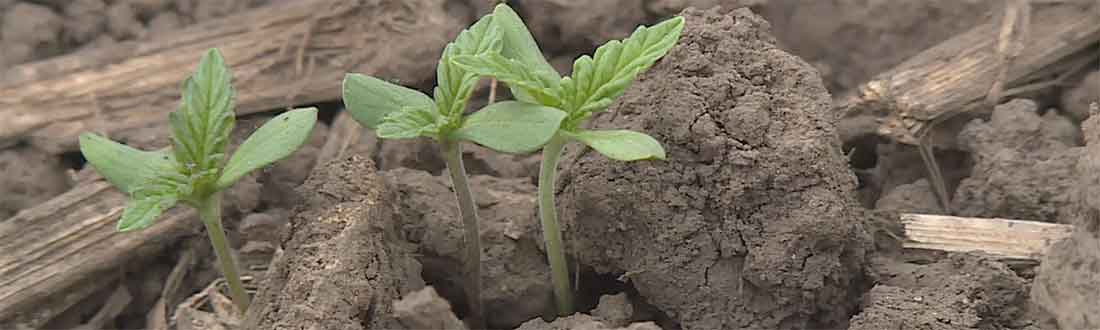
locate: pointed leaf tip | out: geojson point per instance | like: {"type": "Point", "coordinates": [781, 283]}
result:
{"type": "Point", "coordinates": [622, 145]}
{"type": "Point", "coordinates": [275, 140]}
{"type": "Point", "coordinates": [124, 167]}
{"type": "Point", "coordinates": [369, 100]}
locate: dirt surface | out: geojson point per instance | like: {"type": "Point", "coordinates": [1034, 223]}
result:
{"type": "Point", "coordinates": [750, 223]}
{"type": "Point", "coordinates": [514, 271]}
{"type": "Point", "coordinates": [29, 177]}
{"type": "Point", "coordinates": [1068, 284]}
{"type": "Point", "coordinates": [963, 291]}
{"type": "Point", "coordinates": [1023, 167]}
{"type": "Point", "coordinates": [345, 261]}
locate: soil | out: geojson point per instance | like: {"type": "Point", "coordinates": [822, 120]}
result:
{"type": "Point", "coordinates": [770, 212]}
{"type": "Point", "coordinates": [962, 291]}
{"type": "Point", "coordinates": [425, 309]}
{"type": "Point", "coordinates": [1068, 284]}
{"type": "Point", "coordinates": [344, 261]}
{"type": "Point", "coordinates": [514, 271]}
{"type": "Point", "coordinates": [751, 222]}
{"type": "Point", "coordinates": [1023, 165]}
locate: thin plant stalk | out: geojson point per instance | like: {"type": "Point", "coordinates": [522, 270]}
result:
{"type": "Point", "coordinates": [551, 229]}
{"type": "Point", "coordinates": [452, 155]}
{"type": "Point", "coordinates": [210, 211]}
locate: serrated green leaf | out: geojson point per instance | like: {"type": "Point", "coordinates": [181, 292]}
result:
{"type": "Point", "coordinates": [518, 45]}
{"type": "Point", "coordinates": [512, 127]}
{"type": "Point", "coordinates": [621, 145]}
{"type": "Point", "coordinates": [141, 213]}
{"type": "Point", "coordinates": [275, 140]}
{"type": "Point", "coordinates": [454, 83]}
{"type": "Point", "coordinates": [517, 75]}
{"type": "Point", "coordinates": [599, 79]}
{"type": "Point", "coordinates": [369, 99]}
{"type": "Point", "coordinates": [201, 125]}
{"type": "Point", "coordinates": [124, 167]}
{"type": "Point", "coordinates": [409, 123]}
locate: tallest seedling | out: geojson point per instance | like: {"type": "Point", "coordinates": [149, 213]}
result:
{"type": "Point", "coordinates": [195, 170]}
{"type": "Point", "coordinates": [594, 85]}
{"type": "Point", "coordinates": [396, 112]}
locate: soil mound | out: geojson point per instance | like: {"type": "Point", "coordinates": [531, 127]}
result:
{"type": "Point", "coordinates": [752, 221]}
{"type": "Point", "coordinates": [1068, 285]}
{"type": "Point", "coordinates": [344, 263]}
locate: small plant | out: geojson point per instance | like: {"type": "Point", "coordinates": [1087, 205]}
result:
{"type": "Point", "coordinates": [397, 112]}
{"type": "Point", "coordinates": [595, 83]}
{"type": "Point", "coordinates": [194, 170]}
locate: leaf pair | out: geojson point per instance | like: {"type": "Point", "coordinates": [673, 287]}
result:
{"type": "Point", "coordinates": [595, 83]}
{"type": "Point", "coordinates": [195, 167]}
{"type": "Point", "coordinates": [397, 112]}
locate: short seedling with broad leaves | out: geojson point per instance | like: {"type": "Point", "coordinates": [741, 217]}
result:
{"type": "Point", "coordinates": [397, 112]}
{"type": "Point", "coordinates": [195, 169]}
{"type": "Point", "coordinates": [595, 83]}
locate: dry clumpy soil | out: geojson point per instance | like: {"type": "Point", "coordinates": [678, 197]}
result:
{"type": "Point", "coordinates": [751, 222]}
{"type": "Point", "coordinates": [1068, 284]}
{"type": "Point", "coordinates": [962, 291]}
{"type": "Point", "coordinates": [1023, 164]}
{"type": "Point", "coordinates": [344, 262]}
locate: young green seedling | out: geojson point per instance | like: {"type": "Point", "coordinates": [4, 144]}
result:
{"type": "Point", "coordinates": [397, 112]}
{"type": "Point", "coordinates": [594, 85]}
{"type": "Point", "coordinates": [194, 170]}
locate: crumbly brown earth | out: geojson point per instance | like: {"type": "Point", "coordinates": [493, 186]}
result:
{"type": "Point", "coordinates": [1068, 284]}
{"type": "Point", "coordinates": [751, 222]}
{"type": "Point", "coordinates": [962, 291]}
{"type": "Point", "coordinates": [345, 260]}
{"type": "Point", "coordinates": [1023, 167]}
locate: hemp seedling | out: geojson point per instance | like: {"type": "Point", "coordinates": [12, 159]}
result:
{"type": "Point", "coordinates": [397, 112]}
{"type": "Point", "coordinates": [194, 170]}
{"type": "Point", "coordinates": [594, 85]}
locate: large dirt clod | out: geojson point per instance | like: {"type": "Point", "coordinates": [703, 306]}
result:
{"type": "Point", "coordinates": [344, 262]}
{"type": "Point", "coordinates": [1068, 284]}
{"type": "Point", "coordinates": [751, 222]}
{"type": "Point", "coordinates": [1023, 169]}
{"type": "Point", "coordinates": [962, 291]}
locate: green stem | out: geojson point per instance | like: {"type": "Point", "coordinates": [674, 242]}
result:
{"type": "Point", "coordinates": [551, 231]}
{"type": "Point", "coordinates": [452, 155]}
{"type": "Point", "coordinates": [210, 211]}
